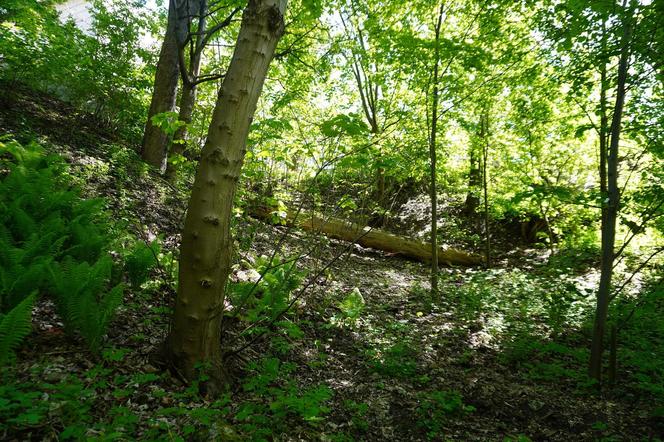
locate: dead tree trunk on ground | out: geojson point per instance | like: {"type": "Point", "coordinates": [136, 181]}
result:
{"type": "Point", "coordinates": [374, 238]}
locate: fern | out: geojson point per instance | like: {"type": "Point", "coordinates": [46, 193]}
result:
{"type": "Point", "coordinates": [84, 302]}
{"type": "Point", "coordinates": [53, 241]}
{"type": "Point", "coordinates": [140, 261]}
{"type": "Point", "coordinates": [14, 326]}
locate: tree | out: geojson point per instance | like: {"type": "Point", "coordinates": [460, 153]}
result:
{"type": "Point", "coordinates": [205, 253]}
{"type": "Point", "coordinates": [484, 140]}
{"type": "Point", "coordinates": [610, 206]}
{"type": "Point", "coordinates": [432, 157]}
{"type": "Point", "coordinates": [196, 40]}
{"type": "Point", "coordinates": [155, 140]}
{"type": "Point", "coordinates": [364, 51]}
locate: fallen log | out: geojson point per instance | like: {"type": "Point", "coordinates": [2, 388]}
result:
{"type": "Point", "coordinates": [369, 237]}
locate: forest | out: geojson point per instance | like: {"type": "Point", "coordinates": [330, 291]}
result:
{"type": "Point", "coordinates": [332, 220]}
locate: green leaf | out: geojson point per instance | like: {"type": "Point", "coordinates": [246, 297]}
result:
{"type": "Point", "coordinates": [342, 124]}
{"type": "Point", "coordinates": [14, 326]}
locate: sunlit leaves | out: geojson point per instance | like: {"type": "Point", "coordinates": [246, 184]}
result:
{"type": "Point", "coordinates": [349, 124]}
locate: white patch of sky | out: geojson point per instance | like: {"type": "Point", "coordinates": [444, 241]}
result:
{"type": "Point", "coordinates": [79, 12]}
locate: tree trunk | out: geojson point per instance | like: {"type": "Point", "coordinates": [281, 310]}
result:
{"type": "Point", "coordinates": [205, 254]}
{"type": "Point", "coordinates": [373, 238]}
{"type": "Point", "coordinates": [432, 158]}
{"type": "Point", "coordinates": [155, 140]}
{"type": "Point", "coordinates": [472, 199]}
{"type": "Point", "coordinates": [484, 136]}
{"type": "Point", "coordinates": [611, 214]}
{"type": "Point", "coordinates": [188, 98]}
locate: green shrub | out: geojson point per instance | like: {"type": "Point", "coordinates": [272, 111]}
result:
{"type": "Point", "coordinates": [398, 360]}
{"type": "Point", "coordinates": [275, 398]}
{"type": "Point", "coordinates": [54, 242]}
{"type": "Point", "coordinates": [67, 409]}
{"type": "Point", "coordinates": [351, 308]}
{"type": "Point", "coordinates": [140, 261]}
{"type": "Point", "coordinates": [271, 295]}
{"type": "Point", "coordinates": [84, 299]}
{"type": "Point", "coordinates": [14, 326]}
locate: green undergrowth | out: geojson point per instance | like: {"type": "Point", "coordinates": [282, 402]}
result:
{"type": "Point", "coordinates": [55, 243]}
{"type": "Point", "coordinates": [437, 407]}
{"type": "Point", "coordinates": [106, 403]}
{"type": "Point", "coordinates": [540, 321]}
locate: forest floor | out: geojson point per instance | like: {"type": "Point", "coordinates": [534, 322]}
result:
{"type": "Point", "coordinates": [404, 368]}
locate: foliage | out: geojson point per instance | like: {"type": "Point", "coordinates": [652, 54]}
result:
{"type": "Point", "coordinates": [358, 412]}
{"type": "Point", "coordinates": [265, 417]}
{"type": "Point", "coordinates": [270, 295]}
{"type": "Point", "coordinates": [437, 407]}
{"type": "Point", "coordinates": [398, 360]}
{"type": "Point", "coordinates": [100, 69]}
{"type": "Point", "coordinates": [141, 260]}
{"type": "Point", "coordinates": [84, 302]}
{"type": "Point", "coordinates": [351, 308]}
{"type": "Point", "coordinates": [14, 326]}
{"type": "Point", "coordinates": [53, 242]}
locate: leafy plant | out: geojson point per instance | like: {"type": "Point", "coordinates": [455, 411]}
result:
{"type": "Point", "coordinates": [53, 242]}
{"type": "Point", "coordinates": [270, 296]}
{"type": "Point", "coordinates": [140, 261]}
{"type": "Point", "coordinates": [276, 398]}
{"type": "Point", "coordinates": [398, 360]}
{"type": "Point", "coordinates": [358, 412]}
{"type": "Point", "coordinates": [14, 326]}
{"type": "Point", "coordinates": [437, 407]}
{"type": "Point", "coordinates": [84, 301]}
{"type": "Point", "coordinates": [351, 307]}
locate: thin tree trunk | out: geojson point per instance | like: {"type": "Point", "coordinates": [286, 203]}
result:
{"type": "Point", "coordinates": [369, 94]}
{"type": "Point", "coordinates": [604, 125]}
{"type": "Point", "coordinates": [205, 254]}
{"type": "Point", "coordinates": [609, 221]}
{"type": "Point", "coordinates": [188, 97]}
{"type": "Point", "coordinates": [544, 213]}
{"type": "Point", "coordinates": [484, 135]}
{"type": "Point", "coordinates": [472, 200]}
{"type": "Point", "coordinates": [432, 157]}
{"type": "Point", "coordinates": [155, 140]}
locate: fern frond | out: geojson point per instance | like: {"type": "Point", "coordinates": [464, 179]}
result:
{"type": "Point", "coordinates": [25, 280]}
{"type": "Point", "coordinates": [14, 326]}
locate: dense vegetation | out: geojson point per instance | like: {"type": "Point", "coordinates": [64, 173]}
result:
{"type": "Point", "coordinates": [331, 220]}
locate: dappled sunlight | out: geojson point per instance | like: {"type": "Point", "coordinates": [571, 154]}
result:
{"type": "Point", "coordinates": [331, 220]}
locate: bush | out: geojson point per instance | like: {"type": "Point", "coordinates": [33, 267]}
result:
{"type": "Point", "coordinates": [54, 242]}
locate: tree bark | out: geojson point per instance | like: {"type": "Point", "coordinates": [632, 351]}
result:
{"type": "Point", "coordinates": [155, 140]}
{"type": "Point", "coordinates": [433, 195]}
{"type": "Point", "coordinates": [610, 214]}
{"type": "Point", "coordinates": [178, 146]}
{"type": "Point", "coordinates": [484, 136]}
{"type": "Point", "coordinates": [373, 238]}
{"type": "Point", "coordinates": [188, 96]}
{"type": "Point", "coordinates": [205, 253]}
{"type": "Point", "coordinates": [472, 199]}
